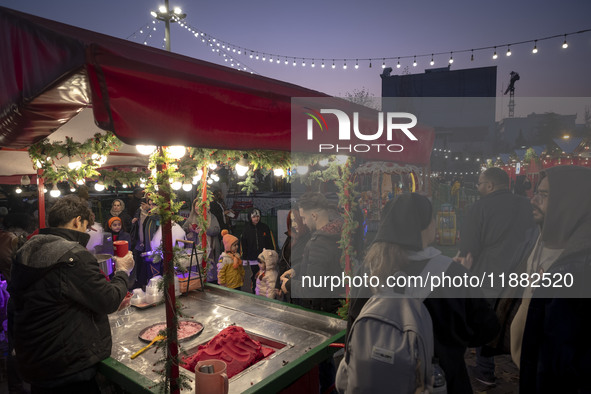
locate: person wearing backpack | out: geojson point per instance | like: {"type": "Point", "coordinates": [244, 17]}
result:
{"type": "Point", "coordinates": [457, 318]}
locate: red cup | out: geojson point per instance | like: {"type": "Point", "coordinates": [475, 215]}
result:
{"type": "Point", "coordinates": [120, 248]}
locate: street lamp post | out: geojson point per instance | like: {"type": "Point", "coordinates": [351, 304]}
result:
{"type": "Point", "coordinates": [165, 14]}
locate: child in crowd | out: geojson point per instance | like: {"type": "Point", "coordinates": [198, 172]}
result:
{"type": "Point", "coordinates": [116, 226]}
{"type": "Point", "coordinates": [230, 269]}
{"type": "Point", "coordinates": [267, 275]}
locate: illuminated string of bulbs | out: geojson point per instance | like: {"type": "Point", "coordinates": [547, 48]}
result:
{"type": "Point", "coordinates": [226, 51]}
{"type": "Point", "coordinates": [233, 50]}
{"type": "Point", "coordinates": [147, 30]}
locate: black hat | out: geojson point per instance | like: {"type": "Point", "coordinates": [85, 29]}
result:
{"type": "Point", "coordinates": [403, 219]}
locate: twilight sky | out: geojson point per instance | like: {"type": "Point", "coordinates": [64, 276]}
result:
{"type": "Point", "coordinates": [351, 29]}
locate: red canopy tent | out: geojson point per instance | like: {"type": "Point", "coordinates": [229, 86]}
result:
{"type": "Point", "coordinates": [50, 71]}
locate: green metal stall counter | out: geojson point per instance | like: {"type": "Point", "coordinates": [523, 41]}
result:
{"type": "Point", "coordinates": [300, 338]}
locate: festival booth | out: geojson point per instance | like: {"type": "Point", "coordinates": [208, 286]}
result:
{"type": "Point", "coordinates": [54, 75]}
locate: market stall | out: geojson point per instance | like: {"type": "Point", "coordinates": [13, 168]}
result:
{"type": "Point", "coordinates": [53, 74]}
{"type": "Point", "coordinates": [299, 338]}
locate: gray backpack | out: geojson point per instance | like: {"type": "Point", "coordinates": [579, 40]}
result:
{"type": "Point", "coordinates": [389, 348]}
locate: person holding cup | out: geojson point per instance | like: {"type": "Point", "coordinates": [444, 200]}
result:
{"type": "Point", "coordinates": [59, 302]}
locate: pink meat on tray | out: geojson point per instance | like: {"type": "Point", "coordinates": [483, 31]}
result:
{"type": "Point", "coordinates": [233, 346]}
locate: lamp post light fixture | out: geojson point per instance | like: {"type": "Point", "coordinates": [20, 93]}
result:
{"type": "Point", "coordinates": [167, 15]}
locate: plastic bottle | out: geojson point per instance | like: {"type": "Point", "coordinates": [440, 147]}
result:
{"type": "Point", "coordinates": [439, 382]}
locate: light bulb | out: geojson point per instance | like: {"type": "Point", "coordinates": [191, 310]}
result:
{"type": "Point", "coordinates": [72, 189]}
{"type": "Point", "coordinates": [177, 10]}
{"type": "Point", "coordinates": [55, 192]}
{"type": "Point", "coordinates": [124, 186]}
{"type": "Point", "coordinates": [215, 177]}
{"type": "Point", "coordinates": [162, 9]}
{"type": "Point", "coordinates": [176, 185]}
{"type": "Point", "coordinates": [451, 58]}
{"type": "Point", "coordinates": [242, 167]}
{"type": "Point", "coordinates": [398, 64]}
{"type": "Point", "coordinates": [154, 14]}
{"type": "Point", "coordinates": [187, 187]}
{"type": "Point", "coordinates": [99, 186]}
{"type": "Point", "coordinates": [302, 170]}
{"type": "Point", "coordinates": [176, 151]}
{"type": "Point", "coordinates": [432, 62]}
{"type": "Point", "coordinates": [80, 182]}
{"type": "Point", "coordinates": [212, 166]}
{"type": "Point", "coordinates": [196, 180]}
{"type": "Point", "coordinates": [18, 190]}
{"type": "Point", "coordinates": [564, 44]}
{"type": "Point", "coordinates": [535, 50]}
{"type": "Point", "coordinates": [508, 51]}
{"type": "Point", "coordinates": [414, 62]}
{"type": "Point", "coordinates": [341, 159]}
{"type": "Point", "coordinates": [209, 181]}
{"type": "Point", "coordinates": [73, 165]}
{"type": "Point", "coordinates": [145, 149]}
{"type": "Point", "coordinates": [279, 172]}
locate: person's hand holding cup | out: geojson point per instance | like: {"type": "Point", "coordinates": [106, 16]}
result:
{"type": "Point", "coordinates": [125, 263]}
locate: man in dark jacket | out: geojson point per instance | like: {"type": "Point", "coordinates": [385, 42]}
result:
{"type": "Point", "coordinates": [321, 258]}
{"type": "Point", "coordinates": [556, 352]}
{"type": "Point", "coordinates": [494, 228]}
{"type": "Point", "coordinates": [59, 304]}
{"type": "Point", "coordinates": [255, 237]}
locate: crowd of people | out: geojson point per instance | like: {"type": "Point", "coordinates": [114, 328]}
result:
{"type": "Point", "coordinates": [542, 327]}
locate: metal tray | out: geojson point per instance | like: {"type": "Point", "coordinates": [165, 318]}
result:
{"type": "Point", "coordinates": [164, 324]}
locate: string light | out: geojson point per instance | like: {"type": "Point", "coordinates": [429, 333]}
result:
{"type": "Point", "coordinates": [220, 44]}
{"type": "Point", "coordinates": [333, 66]}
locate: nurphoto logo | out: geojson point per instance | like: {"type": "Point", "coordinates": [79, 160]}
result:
{"type": "Point", "coordinates": [395, 122]}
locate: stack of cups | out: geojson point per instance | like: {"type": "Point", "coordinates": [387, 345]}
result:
{"type": "Point", "coordinates": [139, 297]}
{"type": "Point", "coordinates": [154, 295]}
